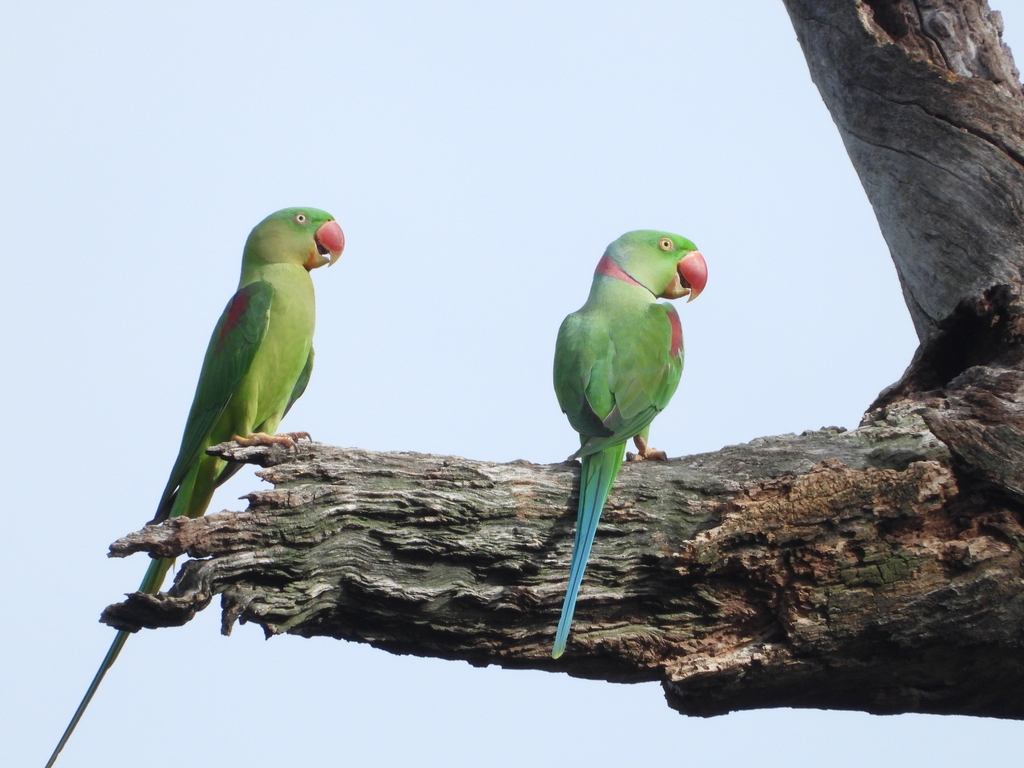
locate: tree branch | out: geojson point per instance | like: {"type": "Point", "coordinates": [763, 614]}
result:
{"type": "Point", "coordinates": [829, 569]}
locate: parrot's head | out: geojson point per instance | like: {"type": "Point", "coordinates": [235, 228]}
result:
{"type": "Point", "coordinates": [668, 265]}
{"type": "Point", "coordinates": [306, 236]}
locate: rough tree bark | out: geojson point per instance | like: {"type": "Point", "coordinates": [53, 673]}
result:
{"type": "Point", "coordinates": [879, 569]}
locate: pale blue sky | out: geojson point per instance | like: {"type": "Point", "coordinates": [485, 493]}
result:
{"type": "Point", "coordinates": [479, 158]}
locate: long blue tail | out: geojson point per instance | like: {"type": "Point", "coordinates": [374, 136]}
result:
{"type": "Point", "coordinates": [596, 478]}
{"type": "Point", "coordinates": [150, 585]}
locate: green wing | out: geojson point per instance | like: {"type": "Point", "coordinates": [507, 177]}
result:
{"type": "Point", "coordinates": [644, 368]}
{"type": "Point", "coordinates": [582, 355]}
{"type": "Point", "coordinates": [235, 339]}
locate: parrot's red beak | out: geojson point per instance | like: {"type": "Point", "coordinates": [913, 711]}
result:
{"type": "Point", "coordinates": [693, 273]}
{"type": "Point", "coordinates": [690, 278]}
{"type": "Point", "coordinates": [330, 242]}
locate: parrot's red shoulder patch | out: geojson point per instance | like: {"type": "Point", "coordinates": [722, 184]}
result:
{"type": "Point", "coordinates": [677, 332]}
{"type": "Point", "coordinates": [236, 308]}
{"type": "Point", "coordinates": [609, 268]}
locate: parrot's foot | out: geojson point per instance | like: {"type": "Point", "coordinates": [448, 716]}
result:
{"type": "Point", "coordinates": [645, 452]}
{"type": "Point", "coordinates": [288, 439]}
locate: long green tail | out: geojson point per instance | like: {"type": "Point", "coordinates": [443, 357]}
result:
{"type": "Point", "coordinates": [190, 500]}
{"type": "Point", "coordinates": [596, 477]}
{"type": "Point", "coordinates": [150, 585]}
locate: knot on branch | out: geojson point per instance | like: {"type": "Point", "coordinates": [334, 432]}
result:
{"type": "Point", "coordinates": [988, 331]}
{"type": "Point", "coordinates": [981, 421]}
{"type": "Point", "coordinates": [261, 455]}
{"type": "Point", "coordinates": [142, 611]}
{"type": "Point", "coordinates": [964, 38]}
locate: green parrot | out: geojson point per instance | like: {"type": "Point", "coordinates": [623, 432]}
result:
{"type": "Point", "coordinates": [257, 365]}
{"type": "Point", "coordinates": [617, 364]}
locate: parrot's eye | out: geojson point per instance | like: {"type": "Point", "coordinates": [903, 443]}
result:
{"type": "Point", "coordinates": [300, 218]}
{"type": "Point", "coordinates": [666, 244]}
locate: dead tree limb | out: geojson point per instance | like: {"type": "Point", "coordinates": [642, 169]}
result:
{"type": "Point", "coordinates": [879, 569]}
